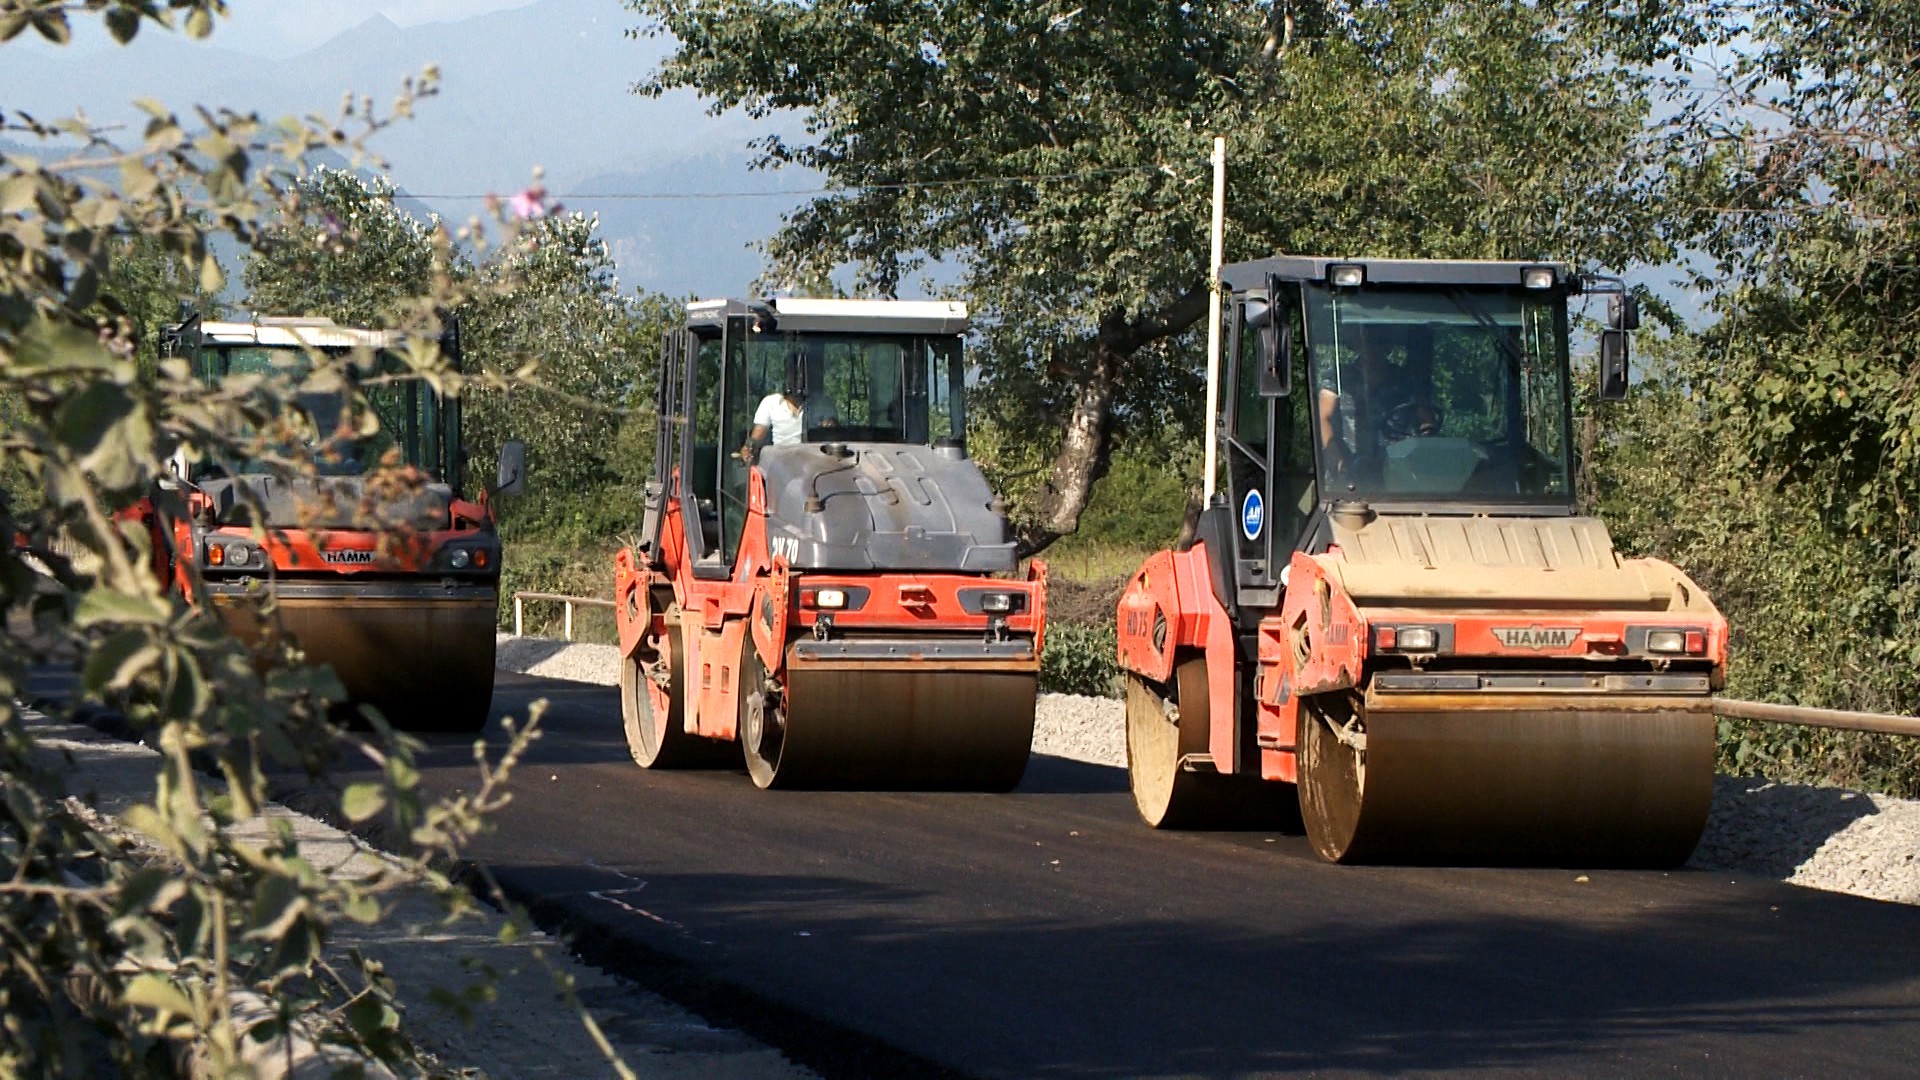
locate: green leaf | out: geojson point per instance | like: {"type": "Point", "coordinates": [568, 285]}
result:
{"type": "Point", "coordinates": [277, 903]}
{"type": "Point", "coordinates": [110, 432]}
{"type": "Point", "coordinates": [153, 992]}
{"type": "Point", "coordinates": [361, 907]}
{"type": "Point", "coordinates": [362, 801]}
{"type": "Point", "coordinates": [102, 606]}
{"type": "Point", "coordinates": [123, 24]}
{"type": "Point", "coordinates": [17, 193]}
{"type": "Point", "coordinates": [191, 694]}
{"type": "Point", "coordinates": [136, 180]}
{"type": "Point", "coordinates": [52, 24]}
{"type": "Point", "coordinates": [58, 345]}
{"type": "Point", "coordinates": [402, 775]}
{"type": "Point", "coordinates": [86, 285]}
{"type": "Point", "coordinates": [199, 23]}
{"type": "Point", "coordinates": [150, 889]}
{"type": "Point", "coordinates": [146, 820]}
{"type": "Point", "coordinates": [117, 661]}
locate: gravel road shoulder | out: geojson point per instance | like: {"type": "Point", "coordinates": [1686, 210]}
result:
{"type": "Point", "coordinates": [526, 1030]}
{"type": "Point", "coordinates": [1820, 838]}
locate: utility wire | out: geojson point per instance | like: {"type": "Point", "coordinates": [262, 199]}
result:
{"type": "Point", "coordinates": [984, 181]}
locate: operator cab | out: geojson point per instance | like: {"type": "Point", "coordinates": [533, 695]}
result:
{"type": "Point", "coordinates": [417, 425]}
{"type": "Point", "coordinates": [1386, 387]}
{"type": "Point", "coordinates": [850, 409]}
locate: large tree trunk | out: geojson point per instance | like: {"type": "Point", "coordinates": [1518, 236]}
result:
{"type": "Point", "coordinates": [1088, 441]}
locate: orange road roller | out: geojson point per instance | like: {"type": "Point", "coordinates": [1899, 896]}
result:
{"type": "Point", "coordinates": [824, 588]}
{"type": "Point", "coordinates": [1391, 615]}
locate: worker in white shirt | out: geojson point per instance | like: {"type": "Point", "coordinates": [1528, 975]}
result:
{"type": "Point", "coordinates": [785, 418]}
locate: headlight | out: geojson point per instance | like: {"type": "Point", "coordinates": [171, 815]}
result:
{"type": "Point", "coordinates": [236, 554]}
{"type": "Point", "coordinates": [1348, 276]}
{"type": "Point", "coordinates": [997, 603]}
{"type": "Point", "coordinates": [1537, 277]}
{"type": "Point", "coordinates": [460, 559]}
{"type": "Point", "coordinates": [830, 598]}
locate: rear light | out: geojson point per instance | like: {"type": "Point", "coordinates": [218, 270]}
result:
{"type": "Point", "coordinates": [1407, 639]}
{"type": "Point", "coordinates": [1667, 641]}
{"type": "Point", "coordinates": [1696, 643]}
{"type": "Point", "coordinates": [1418, 639]}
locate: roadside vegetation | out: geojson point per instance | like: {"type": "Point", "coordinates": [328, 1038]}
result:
{"type": "Point", "coordinates": [1052, 157]}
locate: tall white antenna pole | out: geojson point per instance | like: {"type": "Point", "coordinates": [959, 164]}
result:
{"type": "Point", "coordinates": [1213, 315]}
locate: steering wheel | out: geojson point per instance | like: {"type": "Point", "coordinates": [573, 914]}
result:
{"type": "Point", "coordinates": [1408, 419]}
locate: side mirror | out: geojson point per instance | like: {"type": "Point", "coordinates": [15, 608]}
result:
{"type": "Point", "coordinates": [1613, 365]}
{"type": "Point", "coordinates": [513, 468]}
{"type": "Point", "coordinates": [1623, 312]}
{"type": "Point", "coordinates": [1275, 349]}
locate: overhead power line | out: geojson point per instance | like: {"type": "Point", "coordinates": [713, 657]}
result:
{"type": "Point", "coordinates": [908, 185]}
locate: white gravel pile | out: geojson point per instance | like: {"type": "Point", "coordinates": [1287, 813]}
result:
{"type": "Point", "coordinates": [1821, 838]}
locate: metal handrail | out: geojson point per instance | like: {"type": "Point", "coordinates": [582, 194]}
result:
{"type": "Point", "coordinates": [566, 619]}
{"type": "Point", "coordinates": [1841, 719]}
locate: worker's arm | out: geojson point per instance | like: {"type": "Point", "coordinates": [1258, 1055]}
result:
{"type": "Point", "coordinates": [755, 440]}
{"type": "Point", "coordinates": [1334, 450]}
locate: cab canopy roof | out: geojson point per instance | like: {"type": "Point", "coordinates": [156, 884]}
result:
{"type": "Point", "coordinates": [796, 315]}
{"type": "Point", "coordinates": [1253, 275]}
{"type": "Point", "coordinates": [312, 333]}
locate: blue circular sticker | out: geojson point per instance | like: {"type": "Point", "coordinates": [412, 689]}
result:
{"type": "Point", "coordinates": [1253, 515]}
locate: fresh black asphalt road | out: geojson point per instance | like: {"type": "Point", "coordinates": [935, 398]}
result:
{"type": "Point", "coordinates": [1048, 933]}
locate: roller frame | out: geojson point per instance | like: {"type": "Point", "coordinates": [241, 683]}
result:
{"type": "Point", "coordinates": [1546, 752]}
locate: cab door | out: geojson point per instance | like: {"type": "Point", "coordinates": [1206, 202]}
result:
{"type": "Point", "coordinates": [1268, 457]}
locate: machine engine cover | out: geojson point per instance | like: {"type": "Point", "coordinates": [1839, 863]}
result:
{"type": "Point", "coordinates": [882, 506]}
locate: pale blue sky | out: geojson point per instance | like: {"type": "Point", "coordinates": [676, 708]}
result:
{"type": "Point", "coordinates": [282, 28]}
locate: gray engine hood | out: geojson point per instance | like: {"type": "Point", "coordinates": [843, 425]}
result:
{"type": "Point", "coordinates": [326, 502]}
{"type": "Point", "coordinates": [883, 506]}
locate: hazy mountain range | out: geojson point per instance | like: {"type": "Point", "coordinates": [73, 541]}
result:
{"type": "Point", "coordinates": [545, 84]}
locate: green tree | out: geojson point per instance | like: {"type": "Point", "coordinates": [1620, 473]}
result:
{"type": "Point", "coordinates": [119, 953]}
{"type": "Point", "coordinates": [146, 284]}
{"type": "Point", "coordinates": [552, 313]}
{"type": "Point", "coordinates": [342, 249]}
{"type": "Point", "coordinates": [1421, 129]}
{"type": "Point", "coordinates": [1778, 453]}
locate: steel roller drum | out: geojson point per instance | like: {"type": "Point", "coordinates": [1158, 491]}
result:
{"type": "Point", "coordinates": [1587, 781]}
{"type": "Point", "coordinates": [907, 724]}
{"type": "Point", "coordinates": [421, 655]}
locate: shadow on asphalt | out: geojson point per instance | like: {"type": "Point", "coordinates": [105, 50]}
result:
{"type": "Point", "coordinates": [785, 958]}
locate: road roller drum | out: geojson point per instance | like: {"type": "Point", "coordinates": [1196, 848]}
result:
{"type": "Point", "coordinates": [424, 658]}
{"type": "Point", "coordinates": [889, 724]}
{"type": "Point", "coordinates": [1606, 782]}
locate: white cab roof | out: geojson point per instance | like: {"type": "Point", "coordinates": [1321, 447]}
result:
{"type": "Point", "coordinates": [308, 332]}
{"type": "Point", "coordinates": [802, 315]}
